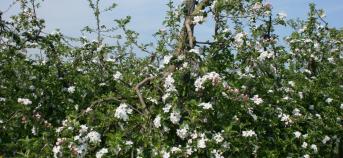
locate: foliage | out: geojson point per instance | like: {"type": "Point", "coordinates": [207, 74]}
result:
{"type": "Point", "coordinates": [247, 93]}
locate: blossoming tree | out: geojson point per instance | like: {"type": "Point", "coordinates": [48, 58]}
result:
{"type": "Point", "coordinates": [246, 93]}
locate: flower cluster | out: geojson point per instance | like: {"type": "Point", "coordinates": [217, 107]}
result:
{"type": "Point", "coordinates": [123, 111]}
{"type": "Point", "coordinates": [211, 76]}
{"type": "Point", "coordinates": [24, 101]}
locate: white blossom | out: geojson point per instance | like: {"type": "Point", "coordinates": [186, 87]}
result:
{"type": "Point", "coordinates": [291, 83]}
{"type": "Point", "coordinates": [129, 142]}
{"type": "Point", "coordinates": [59, 129]}
{"type": "Point", "coordinates": [166, 154]}
{"type": "Point", "coordinates": [331, 60]}
{"type": "Point", "coordinates": [122, 112]}
{"type": "Point", "coordinates": [175, 117]}
{"type": "Point", "coordinates": [285, 118]}
{"type": "Point", "coordinates": [314, 148]}
{"type": "Point", "coordinates": [218, 138]}
{"type": "Point", "coordinates": [239, 38]}
{"type": "Point", "coordinates": [153, 100]}
{"type": "Point", "coordinates": [24, 101]}
{"type": "Point", "coordinates": [101, 153]}
{"type": "Point", "coordinates": [256, 6]}
{"type": "Point", "coordinates": [206, 106]}
{"type": "Point", "coordinates": [175, 149]}
{"type": "Point", "coordinates": [169, 84]}
{"type": "Point", "coordinates": [217, 154]}
{"type": "Point", "coordinates": [306, 156]}
{"type": "Point", "coordinates": [34, 130]}
{"type": "Point", "coordinates": [305, 136]}
{"type": "Point", "coordinates": [201, 143]}
{"type": "Point", "coordinates": [297, 134]}
{"type": "Point", "coordinates": [71, 89]}
{"type": "Point", "coordinates": [2, 99]}
{"type": "Point", "coordinates": [166, 108]}
{"type": "Point", "coordinates": [198, 19]}
{"type": "Point", "coordinates": [265, 55]}
{"type": "Point", "coordinates": [82, 150]}
{"type": "Point", "coordinates": [118, 76]}
{"type": "Point", "coordinates": [329, 100]}
{"type": "Point", "coordinates": [183, 132]}
{"type": "Point", "coordinates": [157, 121]}
{"type": "Point", "coordinates": [94, 137]}
{"type": "Point", "coordinates": [83, 129]}
{"type": "Point", "coordinates": [196, 51]}
{"type": "Point", "coordinates": [165, 97]}
{"type": "Point", "coordinates": [326, 139]}
{"type": "Point", "coordinates": [248, 133]}
{"type": "Point", "coordinates": [296, 112]}
{"type": "Point", "coordinates": [56, 150]}
{"type": "Point", "coordinates": [166, 60]}
{"type": "Point", "coordinates": [304, 145]}
{"type": "Point", "coordinates": [189, 151]}
{"type": "Point", "coordinates": [282, 15]}
{"type": "Point", "coordinates": [301, 95]}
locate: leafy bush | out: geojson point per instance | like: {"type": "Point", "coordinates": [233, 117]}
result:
{"type": "Point", "coordinates": [247, 93]}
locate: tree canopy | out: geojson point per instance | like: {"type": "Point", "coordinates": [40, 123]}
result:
{"type": "Point", "coordinates": [248, 92]}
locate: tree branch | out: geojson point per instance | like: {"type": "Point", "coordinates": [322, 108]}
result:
{"type": "Point", "coordinates": [139, 94]}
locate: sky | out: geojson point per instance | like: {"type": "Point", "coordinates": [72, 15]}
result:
{"type": "Point", "coordinates": [70, 16]}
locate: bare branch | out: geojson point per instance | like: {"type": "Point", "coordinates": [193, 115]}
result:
{"type": "Point", "coordinates": [139, 94]}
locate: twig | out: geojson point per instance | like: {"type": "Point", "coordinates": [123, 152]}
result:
{"type": "Point", "coordinates": [326, 23]}
{"type": "Point", "coordinates": [207, 42]}
{"type": "Point", "coordinates": [10, 6]}
{"type": "Point", "coordinates": [94, 103]}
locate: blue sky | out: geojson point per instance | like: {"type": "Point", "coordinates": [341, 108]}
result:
{"type": "Point", "coordinates": [70, 16]}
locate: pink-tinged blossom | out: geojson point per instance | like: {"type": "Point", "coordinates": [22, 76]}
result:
{"type": "Point", "coordinates": [211, 76]}
{"type": "Point", "coordinates": [257, 100]}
